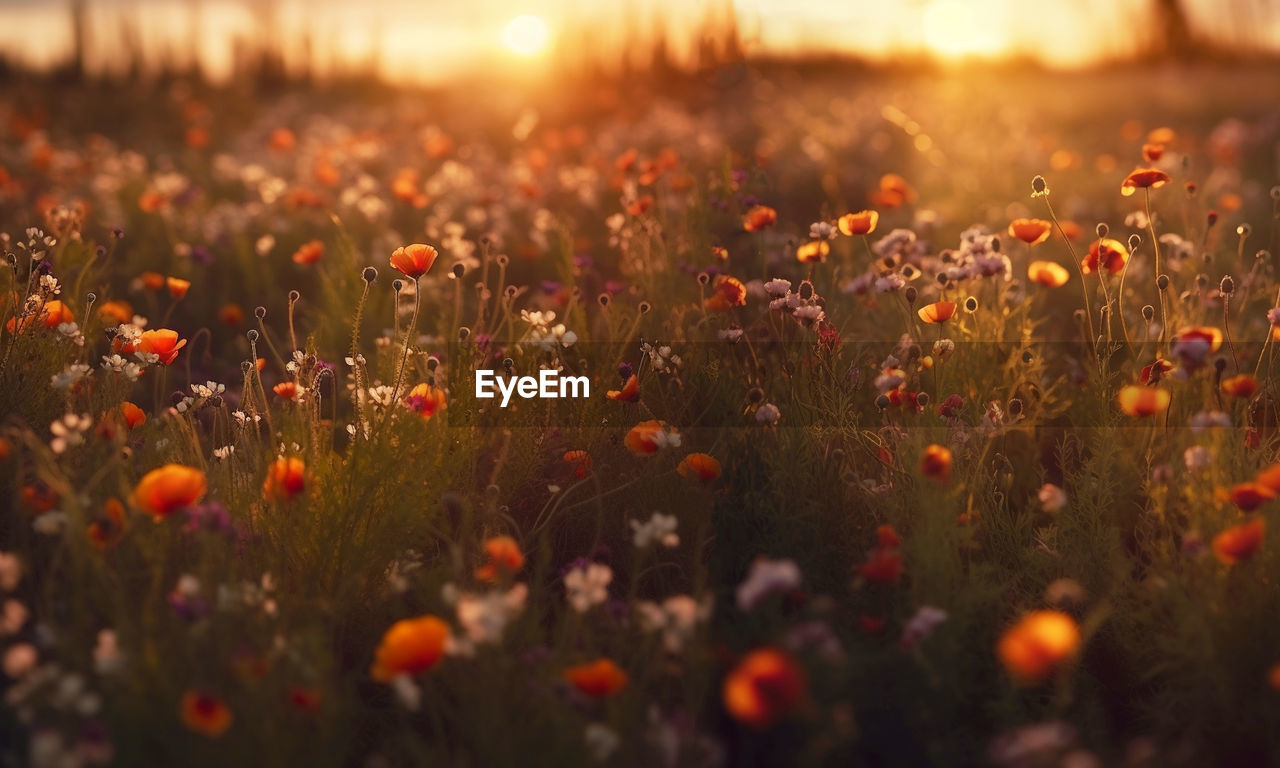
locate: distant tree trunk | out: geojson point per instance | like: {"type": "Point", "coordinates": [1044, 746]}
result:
{"type": "Point", "coordinates": [1174, 28]}
{"type": "Point", "coordinates": [79, 34]}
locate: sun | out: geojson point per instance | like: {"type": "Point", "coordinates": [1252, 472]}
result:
{"type": "Point", "coordinates": [526, 35]}
{"type": "Point", "coordinates": [952, 31]}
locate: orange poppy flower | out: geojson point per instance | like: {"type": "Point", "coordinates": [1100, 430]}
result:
{"type": "Point", "coordinates": [860, 223]}
{"type": "Point", "coordinates": [1031, 231]}
{"type": "Point", "coordinates": [936, 462]}
{"type": "Point", "coordinates": [282, 140]}
{"type": "Point", "coordinates": [502, 557]}
{"type": "Point", "coordinates": [1240, 542]}
{"type": "Point", "coordinates": [640, 205]}
{"type": "Point", "coordinates": [308, 253]}
{"type": "Point", "coordinates": [598, 679]}
{"type": "Point", "coordinates": [937, 312]}
{"type": "Point", "coordinates": [766, 686]}
{"type": "Point", "coordinates": [1144, 178]}
{"type": "Point", "coordinates": [882, 566]}
{"type": "Point", "coordinates": [410, 646]}
{"type": "Point", "coordinates": [286, 478]}
{"type": "Point", "coordinates": [177, 287]}
{"type": "Point", "coordinates": [1270, 477]}
{"type": "Point", "coordinates": [813, 251]}
{"type": "Point", "coordinates": [1207, 333]}
{"type": "Point", "coordinates": [161, 342]}
{"type": "Point", "coordinates": [133, 415]}
{"type": "Point", "coordinates": [108, 529]}
{"type": "Point", "coordinates": [152, 281]}
{"type": "Point", "coordinates": [286, 389]}
{"type": "Point", "coordinates": [51, 315]}
{"type": "Point", "coordinates": [205, 713]}
{"type": "Point", "coordinates": [759, 218]}
{"type": "Point", "coordinates": [1242, 385]}
{"type": "Point", "coordinates": [1250, 496]}
{"type": "Point", "coordinates": [1047, 273]}
{"type": "Point", "coordinates": [426, 400]}
{"type": "Point", "coordinates": [728, 292]}
{"type": "Point", "coordinates": [1037, 645]}
{"type": "Point", "coordinates": [413, 260]}
{"type": "Point", "coordinates": [115, 312]}
{"type": "Point", "coordinates": [629, 393]}
{"type": "Point", "coordinates": [165, 490]}
{"type": "Point", "coordinates": [646, 437]}
{"type": "Point", "coordinates": [231, 314]}
{"type": "Point", "coordinates": [1155, 371]}
{"type": "Point", "coordinates": [1141, 401]}
{"type": "Point", "coordinates": [703, 466]}
{"type": "Point", "coordinates": [1111, 254]}
{"type": "Point", "coordinates": [581, 462]}
{"type": "Point", "coordinates": [893, 191]}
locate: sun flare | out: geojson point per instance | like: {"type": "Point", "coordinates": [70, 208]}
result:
{"type": "Point", "coordinates": [526, 35]}
{"type": "Point", "coordinates": [952, 30]}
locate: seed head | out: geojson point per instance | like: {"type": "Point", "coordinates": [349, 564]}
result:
{"type": "Point", "coordinates": [971, 304]}
{"type": "Point", "coordinates": [1162, 282]}
{"type": "Point", "coordinates": [1227, 286]}
{"type": "Point", "coordinates": [1148, 313]}
{"type": "Point", "coordinates": [260, 312]}
{"type": "Point", "coordinates": [1134, 241]}
{"type": "Point", "coordinates": [369, 274]}
{"type": "Point", "coordinates": [1103, 230]}
{"type": "Point", "coordinates": [1038, 187]}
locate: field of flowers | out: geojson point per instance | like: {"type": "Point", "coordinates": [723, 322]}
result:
{"type": "Point", "coordinates": [933, 421]}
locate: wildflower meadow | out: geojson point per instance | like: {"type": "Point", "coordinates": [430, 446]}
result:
{"type": "Point", "coordinates": [764, 413]}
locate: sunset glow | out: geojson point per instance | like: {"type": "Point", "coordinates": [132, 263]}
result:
{"type": "Point", "coordinates": [526, 35]}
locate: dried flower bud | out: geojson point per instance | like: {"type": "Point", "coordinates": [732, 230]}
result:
{"type": "Point", "coordinates": [369, 274]}
{"type": "Point", "coordinates": [1103, 230]}
{"type": "Point", "coordinates": [294, 296]}
{"type": "Point", "coordinates": [971, 304]}
{"type": "Point", "coordinates": [1148, 313]}
{"type": "Point", "coordinates": [1134, 241]}
{"type": "Point", "coordinates": [1038, 185]}
{"type": "Point", "coordinates": [1162, 282]}
{"type": "Point", "coordinates": [1227, 286]}
{"type": "Point", "coordinates": [260, 312]}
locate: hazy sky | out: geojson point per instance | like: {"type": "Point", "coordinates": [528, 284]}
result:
{"type": "Point", "coordinates": [427, 40]}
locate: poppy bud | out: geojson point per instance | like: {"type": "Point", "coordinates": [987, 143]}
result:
{"type": "Point", "coordinates": [882, 402]}
{"type": "Point", "coordinates": [703, 278]}
{"type": "Point", "coordinates": [397, 285]}
{"type": "Point", "coordinates": [1027, 357]}
{"type": "Point", "coordinates": [645, 307]}
{"type": "Point", "coordinates": [922, 399]}
{"type": "Point", "coordinates": [1162, 282]}
{"type": "Point", "coordinates": [603, 299]}
{"type": "Point", "coordinates": [1015, 407]}
{"type": "Point", "coordinates": [92, 297]}
{"type": "Point", "coordinates": [1262, 255]}
{"type": "Point", "coordinates": [117, 233]}
{"type": "Point", "coordinates": [1134, 241]}
{"type": "Point", "coordinates": [943, 279]}
{"type": "Point", "coordinates": [369, 274]}
{"type": "Point", "coordinates": [463, 333]}
{"type": "Point", "coordinates": [1191, 189]}
{"type": "Point", "coordinates": [1038, 185]}
{"type": "Point", "coordinates": [252, 335]}
{"type": "Point", "coordinates": [503, 260]}
{"type": "Point", "coordinates": [1078, 316]}
{"type": "Point", "coordinates": [294, 296]}
{"type": "Point", "coordinates": [260, 312]}
{"type": "Point", "coordinates": [246, 366]}
{"type": "Point", "coordinates": [510, 291]}
{"type": "Point", "coordinates": [1244, 230]}
{"type": "Point", "coordinates": [1275, 193]}
{"type": "Point", "coordinates": [433, 362]}
{"type": "Point", "coordinates": [995, 245]}
{"type": "Point", "coordinates": [625, 370]}
{"type": "Point", "coordinates": [910, 294]}
{"type": "Point", "coordinates": [971, 304]}
{"type": "Point", "coordinates": [755, 395]}
{"type": "Point", "coordinates": [1227, 286]}
{"type": "Point", "coordinates": [1148, 313]}
{"type": "Point", "coordinates": [176, 396]}
{"type": "Point", "coordinates": [1103, 230]}
{"type": "Point", "coordinates": [508, 363]}
{"type": "Point", "coordinates": [806, 290]}
{"type": "Point", "coordinates": [458, 271]}
{"type": "Point", "coordinates": [1212, 218]}
{"type": "Point", "coordinates": [101, 251]}
{"type": "Point", "coordinates": [1220, 364]}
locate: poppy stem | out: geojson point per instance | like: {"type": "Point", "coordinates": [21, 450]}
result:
{"type": "Point", "coordinates": [1088, 313]}
{"type": "Point", "coordinates": [1155, 247]}
{"type": "Point", "coordinates": [408, 342]}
